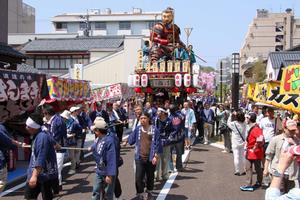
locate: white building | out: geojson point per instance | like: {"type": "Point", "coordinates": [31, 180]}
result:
{"type": "Point", "coordinates": [106, 22]}
{"type": "Point", "coordinates": [278, 60]}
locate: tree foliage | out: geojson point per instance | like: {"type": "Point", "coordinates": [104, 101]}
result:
{"type": "Point", "coordinates": [259, 71]}
{"type": "Point", "coordinates": [207, 69]}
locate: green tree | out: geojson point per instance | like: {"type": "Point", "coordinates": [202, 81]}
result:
{"type": "Point", "coordinates": [259, 71]}
{"type": "Point", "coordinates": [207, 69]}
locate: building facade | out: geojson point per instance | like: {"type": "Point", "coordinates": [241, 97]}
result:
{"type": "Point", "coordinates": [21, 17]}
{"type": "Point", "coordinates": [270, 32]}
{"type": "Point", "coordinates": [96, 22]}
{"type": "Point", "coordinates": [57, 56]}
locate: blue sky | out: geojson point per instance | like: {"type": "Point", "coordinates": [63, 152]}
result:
{"type": "Point", "coordinates": [219, 26]}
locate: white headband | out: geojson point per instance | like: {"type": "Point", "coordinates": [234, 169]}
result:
{"type": "Point", "coordinates": [32, 124]}
{"type": "Point", "coordinates": [162, 110]}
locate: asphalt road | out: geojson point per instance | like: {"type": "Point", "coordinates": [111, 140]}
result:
{"type": "Point", "coordinates": [208, 175]}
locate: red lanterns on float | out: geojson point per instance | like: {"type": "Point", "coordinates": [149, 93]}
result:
{"type": "Point", "coordinates": [138, 90]}
{"type": "Point", "coordinates": [175, 89]}
{"type": "Point", "coordinates": [190, 90]}
{"type": "Point", "coordinates": [149, 90]}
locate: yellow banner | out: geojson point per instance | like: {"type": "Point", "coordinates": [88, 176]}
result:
{"type": "Point", "coordinates": [289, 102]}
{"type": "Point", "coordinates": [269, 93]}
{"type": "Point", "coordinates": [261, 92]}
{"type": "Point", "coordinates": [290, 80]}
{"type": "Point", "coordinates": [250, 90]}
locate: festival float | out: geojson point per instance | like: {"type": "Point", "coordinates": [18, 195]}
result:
{"type": "Point", "coordinates": [162, 76]}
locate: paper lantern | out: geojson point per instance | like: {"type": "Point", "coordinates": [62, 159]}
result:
{"type": "Point", "coordinates": [178, 80]}
{"type": "Point", "coordinates": [196, 82]}
{"type": "Point", "coordinates": [136, 80]}
{"type": "Point", "coordinates": [149, 90]}
{"type": "Point", "coordinates": [175, 89]}
{"type": "Point", "coordinates": [144, 80]}
{"type": "Point", "coordinates": [130, 81]}
{"type": "Point", "coordinates": [187, 80]}
{"type": "Point", "coordinates": [189, 90]}
{"type": "Point", "coordinates": [138, 90]}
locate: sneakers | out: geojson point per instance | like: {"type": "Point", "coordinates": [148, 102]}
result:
{"type": "Point", "coordinates": [240, 174]}
{"type": "Point", "coordinates": [237, 173]}
{"type": "Point", "coordinates": [243, 174]}
{"type": "Point", "coordinates": [247, 188]}
{"type": "Point", "coordinates": [205, 143]}
{"type": "Point", "coordinates": [257, 185]}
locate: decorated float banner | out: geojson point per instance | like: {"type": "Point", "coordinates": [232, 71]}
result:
{"type": "Point", "coordinates": [269, 93]}
{"type": "Point", "coordinates": [69, 89]}
{"type": "Point", "coordinates": [115, 91]}
{"type": "Point", "coordinates": [20, 92]}
{"type": "Point", "coordinates": [290, 81]}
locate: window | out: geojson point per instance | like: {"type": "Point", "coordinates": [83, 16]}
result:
{"type": "Point", "coordinates": [279, 27]}
{"type": "Point", "coordinates": [69, 63]}
{"type": "Point", "coordinates": [278, 47]}
{"type": "Point", "coordinates": [61, 25]}
{"type": "Point", "coordinates": [82, 25]}
{"type": "Point", "coordinates": [63, 63]}
{"type": "Point", "coordinates": [41, 62]}
{"type": "Point", "coordinates": [100, 26]}
{"type": "Point", "coordinates": [124, 25]}
{"type": "Point", "coordinates": [279, 38]}
{"type": "Point", "coordinates": [297, 26]}
{"type": "Point", "coordinates": [54, 62]}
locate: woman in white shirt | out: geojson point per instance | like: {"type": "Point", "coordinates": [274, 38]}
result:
{"type": "Point", "coordinates": [236, 123]}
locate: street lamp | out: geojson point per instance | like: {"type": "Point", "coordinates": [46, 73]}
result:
{"type": "Point", "coordinates": [235, 80]}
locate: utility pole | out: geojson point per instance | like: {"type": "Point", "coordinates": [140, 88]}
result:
{"type": "Point", "coordinates": [221, 81]}
{"type": "Point", "coordinates": [4, 21]}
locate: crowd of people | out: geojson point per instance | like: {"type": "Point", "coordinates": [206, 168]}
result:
{"type": "Point", "coordinates": [261, 143]}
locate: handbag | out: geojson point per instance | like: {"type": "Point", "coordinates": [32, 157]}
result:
{"type": "Point", "coordinates": [239, 132]}
{"type": "Point", "coordinates": [224, 128]}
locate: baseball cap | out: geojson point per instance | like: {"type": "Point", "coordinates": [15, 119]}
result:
{"type": "Point", "coordinates": [99, 123]}
{"type": "Point", "coordinates": [65, 114]}
{"type": "Point", "coordinates": [74, 108]}
{"type": "Point", "coordinates": [291, 125]}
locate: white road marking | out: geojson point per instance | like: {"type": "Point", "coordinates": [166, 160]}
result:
{"type": "Point", "coordinates": [167, 187]}
{"type": "Point", "coordinates": [12, 189]}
